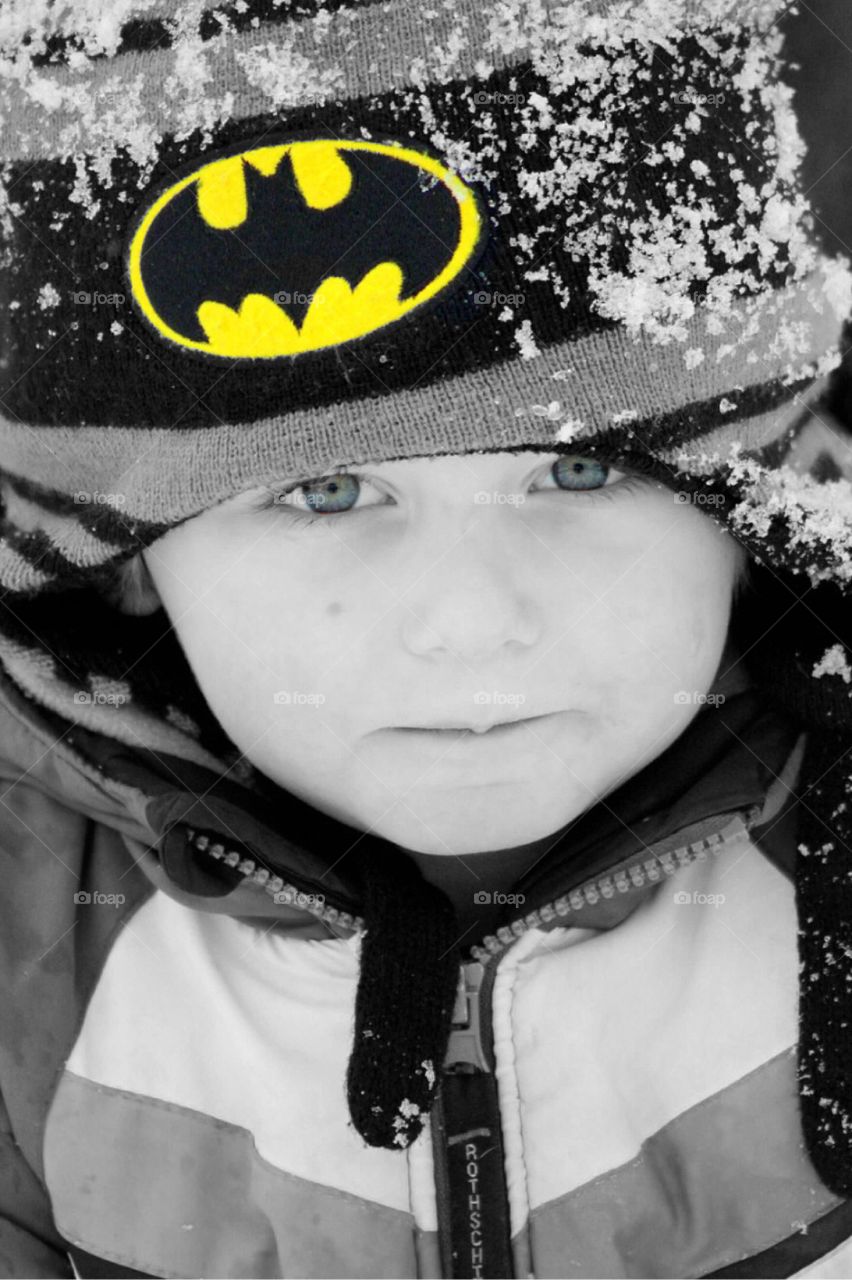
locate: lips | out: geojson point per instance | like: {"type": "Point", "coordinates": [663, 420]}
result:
{"type": "Point", "coordinates": [507, 752]}
{"type": "Point", "coordinates": [465, 726]}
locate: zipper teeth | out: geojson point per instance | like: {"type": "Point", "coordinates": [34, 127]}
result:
{"type": "Point", "coordinates": [654, 868]}
{"type": "Point", "coordinates": [270, 883]}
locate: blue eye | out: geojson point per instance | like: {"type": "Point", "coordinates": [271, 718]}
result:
{"type": "Point", "coordinates": [337, 494]}
{"type": "Point", "coordinates": [578, 472]}
{"type": "Point", "coordinates": [331, 494]}
{"type": "Point", "coordinates": [323, 496]}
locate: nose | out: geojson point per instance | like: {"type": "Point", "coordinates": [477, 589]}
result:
{"type": "Point", "coordinates": [473, 590]}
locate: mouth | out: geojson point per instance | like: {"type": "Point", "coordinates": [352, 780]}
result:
{"type": "Point", "coordinates": [509, 751]}
{"type": "Point", "coordinates": [461, 728]}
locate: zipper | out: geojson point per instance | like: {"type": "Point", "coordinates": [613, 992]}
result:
{"type": "Point", "coordinates": [653, 868]}
{"type": "Point", "coordinates": [474, 1217]}
{"type": "Point", "coordinates": [314, 903]}
{"type": "Point", "coordinates": [474, 1222]}
{"type": "Point", "coordinates": [474, 1231]}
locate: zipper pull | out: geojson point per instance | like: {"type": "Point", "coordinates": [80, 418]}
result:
{"type": "Point", "coordinates": [465, 1049]}
{"type": "Point", "coordinates": [470, 1180]}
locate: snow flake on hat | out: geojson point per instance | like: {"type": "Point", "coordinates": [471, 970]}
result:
{"type": "Point", "coordinates": [48, 296]}
{"type": "Point", "coordinates": [834, 663]}
{"type": "Point", "coordinates": [552, 410]}
{"type": "Point", "coordinates": [677, 240]}
{"type": "Point", "coordinates": [286, 76]}
{"type": "Point", "coordinates": [569, 430]}
{"type": "Point", "coordinates": [647, 258]}
{"type": "Point", "coordinates": [526, 341]}
{"type": "Point", "coordinates": [813, 518]}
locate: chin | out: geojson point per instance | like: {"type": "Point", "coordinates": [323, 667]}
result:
{"type": "Point", "coordinates": [494, 821]}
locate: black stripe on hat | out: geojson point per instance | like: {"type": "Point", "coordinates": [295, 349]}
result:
{"type": "Point", "coordinates": [635, 444]}
{"type": "Point", "coordinates": [689, 422]}
{"type": "Point", "coordinates": [638, 440]}
{"type": "Point", "coordinates": [100, 519]}
{"type": "Point", "coordinates": [37, 548]}
{"type": "Point", "coordinates": [98, 363]}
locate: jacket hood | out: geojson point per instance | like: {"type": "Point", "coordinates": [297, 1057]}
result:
{"type": "Point", "coordinates": [226, 840]}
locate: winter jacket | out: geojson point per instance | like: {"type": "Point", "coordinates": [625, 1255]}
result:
{"type": "Point", "coordinates": [619, 1097]}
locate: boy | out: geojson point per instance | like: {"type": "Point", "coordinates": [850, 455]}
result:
{"type": "Point", "coordinates": [425, 755]}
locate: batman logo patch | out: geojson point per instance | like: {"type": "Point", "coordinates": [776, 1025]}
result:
{"type": "Point", "coordinates": [299, 245]}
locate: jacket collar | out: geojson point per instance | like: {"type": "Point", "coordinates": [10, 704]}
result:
{"type": "Point", "coordinates": [723, 763]}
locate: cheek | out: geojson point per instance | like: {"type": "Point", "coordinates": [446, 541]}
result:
{"type": "Point", "coordinates": [286, 630]}
{"type": "Point", "coordinates": [695, 577]}
{"type": "Point", "coordinates": [655, 610]}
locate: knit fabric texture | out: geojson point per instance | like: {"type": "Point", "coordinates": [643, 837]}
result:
{"type": "Point", "coordinates": [268, 240]}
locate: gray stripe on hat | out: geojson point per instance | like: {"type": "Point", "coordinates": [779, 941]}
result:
{"type": "Point", "coordinates": [132, 100]}
{"type": "Point", "coordinates": [751, 434]}
{"type": "Point", "coordinates": [135, 99]}
{"type": "Point", "coordinates": [166, 475]}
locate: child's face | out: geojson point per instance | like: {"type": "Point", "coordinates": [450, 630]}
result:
{"type": "Point", "coordinates": [566, 595]}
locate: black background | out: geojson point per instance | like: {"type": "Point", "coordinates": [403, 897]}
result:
{"type": "Point", "coordinates": [819, 37]}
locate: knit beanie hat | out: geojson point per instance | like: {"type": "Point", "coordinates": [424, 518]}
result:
{"type": "Point", "coordinates": [271, 238]}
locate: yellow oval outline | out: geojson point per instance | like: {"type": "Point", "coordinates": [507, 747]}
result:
{"type": "Point", "coordinates": [469, 233]}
